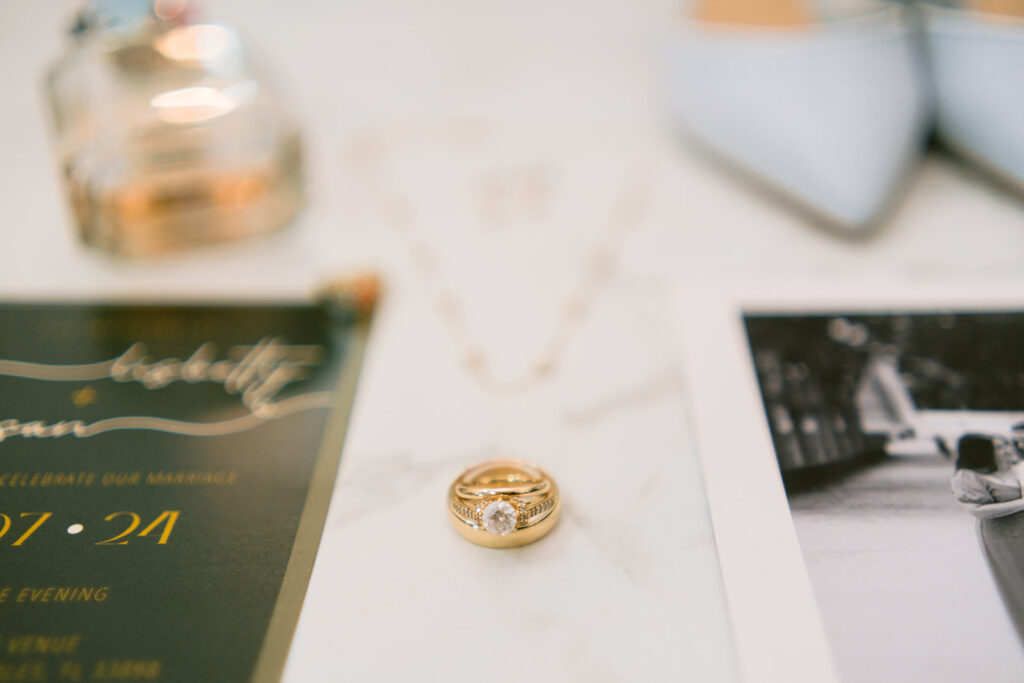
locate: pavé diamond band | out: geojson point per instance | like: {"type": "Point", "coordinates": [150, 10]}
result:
{"type": "Point", "coordinates": [503, 503]}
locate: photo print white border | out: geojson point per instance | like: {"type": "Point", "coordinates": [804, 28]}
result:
{"type": "Point", "coordinates": [776, 623]}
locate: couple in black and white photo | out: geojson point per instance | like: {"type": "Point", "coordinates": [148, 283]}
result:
{"type": "Point", "coordinates": [988, 482]}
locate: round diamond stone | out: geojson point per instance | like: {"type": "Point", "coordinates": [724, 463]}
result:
{"type": "Point", "coordinates": [499, 518]}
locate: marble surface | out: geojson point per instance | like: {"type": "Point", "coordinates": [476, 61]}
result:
{"type": "Point", "coordinates": [626, 588]}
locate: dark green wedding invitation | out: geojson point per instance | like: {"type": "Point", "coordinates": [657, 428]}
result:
{"type": "Point", "coordinates": [164, 479]}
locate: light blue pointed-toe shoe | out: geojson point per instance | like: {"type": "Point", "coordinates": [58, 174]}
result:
{"type": "Point", "coordinates": [977, 59]}
{"type": "Point", "coordinates": [831, 112]}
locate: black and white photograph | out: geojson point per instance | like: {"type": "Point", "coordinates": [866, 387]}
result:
{"type": "Point", "coordinates": [900, 442]}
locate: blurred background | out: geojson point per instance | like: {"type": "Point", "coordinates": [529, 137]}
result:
{"type": "Point", "coordinates": [341, 66]}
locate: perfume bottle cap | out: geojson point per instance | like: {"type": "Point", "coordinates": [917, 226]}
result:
{"type": "Point", "coordinates": [102, 15]}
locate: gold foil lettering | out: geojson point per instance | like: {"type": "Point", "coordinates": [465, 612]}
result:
{"type": "Point", "coordinates": [61, 594]}
{"type": "Point", "coordinates": [126, 670]}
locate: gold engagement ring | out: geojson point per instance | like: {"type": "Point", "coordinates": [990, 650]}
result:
{"type": "Point", "coordinates": [503, 503]}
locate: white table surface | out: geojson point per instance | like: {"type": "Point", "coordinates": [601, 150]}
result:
{"type": "Point", "coordinates": [626, 588]}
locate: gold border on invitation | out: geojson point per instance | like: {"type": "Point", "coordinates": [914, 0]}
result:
{"type": "Point", "coordinates": [284, 619]}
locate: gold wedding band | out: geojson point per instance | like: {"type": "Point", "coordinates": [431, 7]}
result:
{"type": "Point", "coordinates": [503, 503]}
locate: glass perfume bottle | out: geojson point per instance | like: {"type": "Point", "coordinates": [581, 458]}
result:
{"type": "Point", "coordinates": [167, 137]}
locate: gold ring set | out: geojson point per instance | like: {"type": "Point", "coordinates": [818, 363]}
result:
{"type": "Point", "coordinates": [503, 503]}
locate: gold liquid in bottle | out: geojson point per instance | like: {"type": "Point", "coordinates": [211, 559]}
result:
{"type": "Point", "coordinates": [167, 138]}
